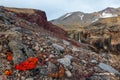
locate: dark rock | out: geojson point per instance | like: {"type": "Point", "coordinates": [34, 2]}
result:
{"type": "Point", "coordinates": [35, 72]}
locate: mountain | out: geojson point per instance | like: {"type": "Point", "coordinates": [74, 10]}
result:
{"type": "Point", "coordinates": [75, 21]}
{"type": "Point", "coordinates": [78, 23]}
{"type": "Point", "coordinates": [83, 19]}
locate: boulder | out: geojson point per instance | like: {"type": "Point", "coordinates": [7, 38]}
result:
{"type": "Point", "coordinates": [66, 61]}
{"type": "Point", "coordinates": [108, 68]}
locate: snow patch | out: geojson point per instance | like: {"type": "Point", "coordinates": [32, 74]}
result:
{"type": "Point", "coordinates": [67, 15]}
{"type": "Point", "coordinates": [81, 16]}
{"type": "Point", "coordinates": [106, 15]}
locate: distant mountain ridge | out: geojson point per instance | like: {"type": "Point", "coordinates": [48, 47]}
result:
{"type": "Point", "coordinates": [84, 19]}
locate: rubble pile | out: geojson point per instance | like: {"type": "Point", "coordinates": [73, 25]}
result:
{"type": "Point", "coordinates": [29, 52]}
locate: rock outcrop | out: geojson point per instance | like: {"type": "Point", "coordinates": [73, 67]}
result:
{"type": "Point", "coordinates": [38, 17]}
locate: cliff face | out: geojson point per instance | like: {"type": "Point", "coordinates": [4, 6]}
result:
{"type": "Point", "coordinates": [38, 17]}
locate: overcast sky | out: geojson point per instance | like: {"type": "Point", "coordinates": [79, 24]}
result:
{"type": "Point", "coordinates": [56, 8]}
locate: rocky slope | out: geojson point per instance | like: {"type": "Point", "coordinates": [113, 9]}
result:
{"type": "Point", "coordinates": [30, 51]}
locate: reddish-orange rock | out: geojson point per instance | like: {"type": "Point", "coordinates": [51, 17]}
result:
{"type": "Point", "coordinates": [30, 63]}
{"type": "Point", "coordinates": [8, 72]}
{"type": "Point", "coordinates": [9, 56]}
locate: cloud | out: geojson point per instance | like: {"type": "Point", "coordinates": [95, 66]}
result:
{"type": "Point", "coordinates": [56, 8]}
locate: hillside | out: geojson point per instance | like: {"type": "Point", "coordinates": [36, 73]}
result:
{"type": "Point", "coordinates": [31, 48]}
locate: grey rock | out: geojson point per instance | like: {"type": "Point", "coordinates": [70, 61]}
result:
{"type": "Point", "coordinates": [20, 51]}
{"type": "Point", "coordinates": [51, 67]}
{"type": "Point", "coordinates": [93, 61]}
{"type": "Point", "coordinates": [66, 61]}
{"type": "Point", "coordinates": [23, 78]}
{"type": "Point", "coordinates": [105, 55]}
{"type": "Point", "coordinates": [98, 78]}
{"type": "Point", "coordinates": [16, 29]}
{"type": "Point", "coordinates": [66, 42]}
{"type": "Point", "coordinates": [29, 79]}
{"type": "Point", "coordinates": [37, 47]}
{"type": "Point", "coordinates": [18, 55]}
{"type": "Point", "coordinates": [6, 22]}
{"type": "Point", "coordinates": [108, 68]}
{"type": "Point", "coordinates": [44, 71]}
{"type": "Point", "coordinates": [68, 73]}
{"type": "Point", "coordinates": [31, 53]}
{"type": "Point", "coordinates": [41, 49]}
{"type": "Point", "coordinates": [49, 42]}
{"type": "Point", "coordinates": [58, 47]}
{"type": "Point", "coordinates": [83, 61]}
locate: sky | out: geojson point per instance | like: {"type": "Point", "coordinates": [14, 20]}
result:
{"type": "Point", "coordinates": [57, 8]}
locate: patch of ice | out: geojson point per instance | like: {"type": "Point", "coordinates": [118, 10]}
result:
{"type": "Point", "coordinates": [108, 68]}
{"type": "Point", "coordinates": [106, 15]}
